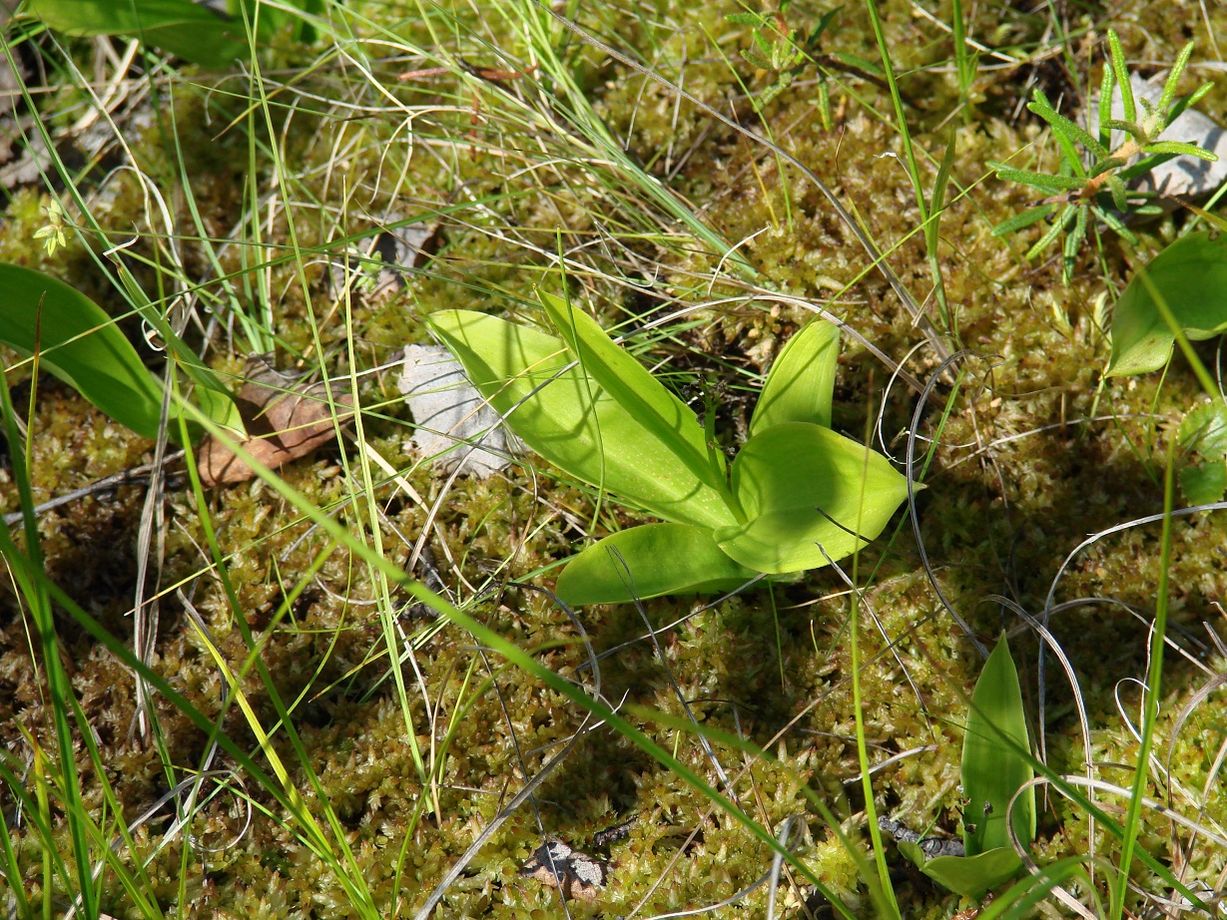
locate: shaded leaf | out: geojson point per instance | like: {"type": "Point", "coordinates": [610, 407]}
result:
{"type": "Point", "coordinates": [1191, 276]}
{"type": "Point", "coordinates": [79, 343]}
{"type": "Point", "coordinates": [804, 487]}
{"type": "Point", "coordinates": [1023, 219]}
{"type": "Point", "coordinates": [649, 561]}
{"type": "Point", "coordinates": [561, 413]}
{"type": "Point", "coordinates": [1203, 483]}
{"type": "Point", "coordinates": [799, 385]}
{"type": "Point", "coordinates": [1042, 181]}
{"type": "Point", "coordinates": [969, 876]}
{"type": "Point", "coordinates": [189, 30]}
{"type": "Point", "coordinates": [1204, 430]}
{"type": "Point", "coordinates": [995, 759]}
{"type": "Point", "coordinates": [284, 421]}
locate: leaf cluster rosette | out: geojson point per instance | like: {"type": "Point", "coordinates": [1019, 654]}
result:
{"type": "Point", "coordinates": [797, 496]}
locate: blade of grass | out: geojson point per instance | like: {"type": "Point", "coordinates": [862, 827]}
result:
{"type": "Point", "coordinates": [25, 569]}
{"type": "Point", "coordinates": [1151, 696]}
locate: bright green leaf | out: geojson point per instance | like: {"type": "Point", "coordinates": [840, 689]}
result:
{"type": "Point", "coordinates": [79, 343]}
{"type": "Point", "coordinates": [1179, 148]}
{"type": "Point", "coordinates": [971, 876]}
{"type": "Point", "coordinates": [184, 28]}
{"type": "Point", "coordinates": [799, 385]}
{"type": "Point", "coordinates": [649, 561]}
{"type": "Point", "coordinates": [995, 759]}
{"type": "Point", "coordinates": [1191, 276]}
{"type": "Point", "coordinates": [808, 491]}
{"type": "Point", "coordinates": [643, 397]}
{"type": "Point", "coordinates": [570, 421]}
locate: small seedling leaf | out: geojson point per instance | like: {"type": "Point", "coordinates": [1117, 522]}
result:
{"type": "Point", "coordinates": [1042, 181]}
{"type": "Point", "coordinates": [1180, 148]}
{"type": "Point", "coordinates": [649, 561]}
{"type": "Point", "coordinates": [79, 343]}
{"type": "Point", "coordinates": [812, 497]}
{"type": "Point", "coordinates": [1191, 277]}
{"type": "Point", "coordinates": [561, 413]}
{"type": "Point", "coordinates": [1121, 73]}
{"type": "Point", "coordinates": [972, 876]}
{"type": "Point", "coordinates": [1204, 430]}
{"type": "Point", "coordinates": [1023, 219]}
{"type": "Point", "coordinates": [995, 759]}
{"type": "Point", "coordinates": [799, 385]}
{"type": "Point", "coordinates": [1203, 483]}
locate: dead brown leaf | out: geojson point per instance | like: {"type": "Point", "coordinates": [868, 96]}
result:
{"type": "Point", "coordinates": [285, 420]}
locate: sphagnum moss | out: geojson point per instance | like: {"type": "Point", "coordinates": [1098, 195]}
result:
{"type": "Point", "coordinates": [1007, 501]}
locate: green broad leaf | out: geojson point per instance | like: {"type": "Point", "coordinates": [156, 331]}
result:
{"type": "Point", "coordinates": [1203, 483]}
{"type": "Point", "coordinates": [561, 413]}
{"type": "Point", "coordinates": [1191, 276]}
{"type": "Point", "coordinates": [995, 762]}
{"type": "Point", "coordinates": [182, 27]}
{"type": "Point", "coordinates": [804, 487]}
{"type": "Point", "coordinates": [649, 561]}
{"type": "Point", "coordinates": [799, 385]}
{"type": "Point", "coordinates": [641, 395]}
{"type": "Point", "coordinates": [969, 876]}
{"type": "Point", "coordinates": [79, 343]}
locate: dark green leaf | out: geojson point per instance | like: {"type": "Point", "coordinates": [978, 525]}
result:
{"type": "Point", "coordinates": [1120, 198]}
{"type": "Point", "coordinates": [649, 561]}
{"type": "Point", "coordinates": [182, 27]}
{"type": "Point", "coordinates": [1042, 181]}
{"type": "Point", "coordinates": [1065, 132]}
{"type": "Point", "coordinates": [1067, 216]}
{"type": "Point", "coordinates": [1023, 219]}
{"type": "Point", "coordinates": [996, 762]}
{"type": "Point", "coordinates": [1204, 483]}
{"type": "Point", "coordinates": [1191, 276]}
{"type": "Point", "coordinates": [79, 343]}
{"type": "Point", "coordinates": [973, 876]}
